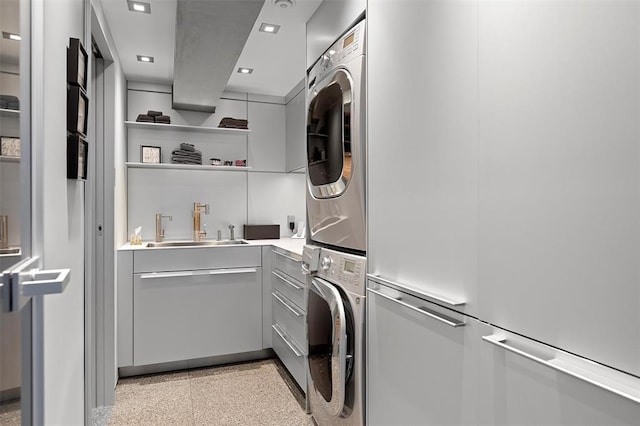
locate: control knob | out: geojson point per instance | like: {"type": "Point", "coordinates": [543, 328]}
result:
{"type": "Point", "coordinates": [325, 263]}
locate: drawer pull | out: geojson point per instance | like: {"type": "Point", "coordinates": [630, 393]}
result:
{"type": "Point", "coordinates": [449, 321]}
{"type": "Point", "coordinates": [287, 256]}
{"type": "Point", "coordinates": [418, 293]}
{"type": "Point", "coordinates": [166, 275]}
{"type": "Point", "coordinates": [288, 306]}
{"type": "Point", "coordinates": [501, 342]}
{"type": "Point", "coordinates": [296, 286]}
{"type": "Point", "coordinates": [233, 271]}
{"type": "Point", "coordinates": [283, 337]}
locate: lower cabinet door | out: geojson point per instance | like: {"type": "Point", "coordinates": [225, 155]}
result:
{"type": "Point", "coordinates": [194, 314]}
{"type": "Point", "coordinates": [421, 362]}
{"type": "Point", "coordinates": [291, 355]}
{"type": "Point", "coordinates": [523, 382]}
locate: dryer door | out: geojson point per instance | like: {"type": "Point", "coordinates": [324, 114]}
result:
{"type": "Point", "coordinates": [329, 135]}
{"type": "Point", "coordinates": [327, 336]}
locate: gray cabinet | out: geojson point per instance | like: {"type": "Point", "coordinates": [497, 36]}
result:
{"type": "Point", "coordinates": [194, 314]}
{"type": "Point", "coordinates": [522, 382]}
{"type": "Point", "coordinates": [267, 137]}
{"type": "Point", "coordinates": [559, 194]}
{"type": "Point", "coordinates": [422, 146]}
{"type": "Point", "coordinates": [420, 369]}
{"type": "Point", "coordinates": [296, 135]}
{"type": "Point", "coordinates": [289, 314]}
{"type": "Point", "coordinates": [183, 304]}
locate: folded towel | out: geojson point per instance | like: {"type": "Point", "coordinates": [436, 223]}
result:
{"type": "Point", "coordinates": [154, 113]}
{"type": "Point", "coordinates": [164, 119]}
{"type": "Point", "coordinates": [234, 123]}
{"type": "Point", "coordinates": [187, 147]}
{"type": "Point", "coordinates": [143, 118]}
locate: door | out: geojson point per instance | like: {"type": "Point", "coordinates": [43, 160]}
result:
{"type": "Point", "coordinates": [330, 336]}
{"type": "Point", "coordinates": [22, 284]}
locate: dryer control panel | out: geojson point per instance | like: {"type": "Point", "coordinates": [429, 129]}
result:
{"type": "Point", "coordinates": [346, 270]}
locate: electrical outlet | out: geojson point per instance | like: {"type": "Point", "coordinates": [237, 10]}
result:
{"type": "Point", "coordinates": [291, 222]}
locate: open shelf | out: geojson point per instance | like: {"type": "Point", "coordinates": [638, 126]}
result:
{"type": "Point", "coordinates": [186, 167]}
{"type": "Point", "coordinates": [9, 112]}
{"type": "Point", "coordinates": [182, 127]}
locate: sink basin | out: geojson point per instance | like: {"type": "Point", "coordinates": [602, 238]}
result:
{"type": "Point", "coordinates": [197, 243]}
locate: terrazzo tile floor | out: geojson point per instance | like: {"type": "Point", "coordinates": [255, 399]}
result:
{"type": "Point", "coordinates": [255, 393]}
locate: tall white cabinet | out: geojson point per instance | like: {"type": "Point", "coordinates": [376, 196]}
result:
{"type": "Point", "coordinates": [504, 185]}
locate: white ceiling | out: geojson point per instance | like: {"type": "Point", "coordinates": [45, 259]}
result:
{"type": "Point", "coordinates": [278, 60]}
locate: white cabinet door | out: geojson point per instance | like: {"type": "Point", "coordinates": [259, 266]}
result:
{"type": "Point", "coordinates": [422, 145]}
{"type": "Point", "coordinates": [520, 384]}
{"type": "Point", "coordinates": [296, 134]}
{"type": "Point", "coordinates": [193, 314]}
{"type": "Point", "coordinates": [559, 174]}
{"type": "Point", "coordinates": [267, 137]}
{"type": "Point", "coordinates": [420, 370]}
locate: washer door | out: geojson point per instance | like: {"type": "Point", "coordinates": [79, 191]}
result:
{"type": "Point", "coordinates": [329, 157]}
{"type": "Point", "coordinates": [327, 336]}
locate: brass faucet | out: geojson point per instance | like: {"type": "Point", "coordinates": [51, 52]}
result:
{"type": "Point", "coordinates": [197, 233]}
{"type": "Point", "coordinates": [159, 228]}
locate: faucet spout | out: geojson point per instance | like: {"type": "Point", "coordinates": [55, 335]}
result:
{"type": "Point", "coordinates": [159, 228]}
{"type": "Point", "coordinates": [197, 209]}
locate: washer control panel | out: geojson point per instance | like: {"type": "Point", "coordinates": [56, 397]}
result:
{"type": "Point", "coordinates": [345, 269]}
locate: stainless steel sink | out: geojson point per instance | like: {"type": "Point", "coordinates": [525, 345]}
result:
{"type": "Point", "coordinates": [196, 243]}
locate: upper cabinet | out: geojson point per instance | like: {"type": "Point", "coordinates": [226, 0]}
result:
{"type": "Point", "coordinates": [296, 135]}
{"type": "Point", "coordinates": [267, 138]}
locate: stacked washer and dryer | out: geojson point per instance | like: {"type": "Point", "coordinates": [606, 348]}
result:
{"type": "Point", "coordinates": [334, 257]}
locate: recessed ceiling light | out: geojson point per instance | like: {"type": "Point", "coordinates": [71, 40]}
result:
{"type": "Point", "coordinates": [138, 6]}
{"type": "Point", "coordinates": [242, 70]}
{"type": "Point", "coordinates": [284, 4]}
{"type": "Point", "coordinates": [142, 58]}
{"type": "Point", "coordinates": [11, 36]}
{"type": "Point", "coordinates": [269, 28]}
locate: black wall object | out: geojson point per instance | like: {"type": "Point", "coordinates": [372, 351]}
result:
{"type": "Point", "coordinates": [76, 64]}
{"type": "Point", "coordinates": [77, 150]}
{"type": "Point", "coordinates": [77, 110]}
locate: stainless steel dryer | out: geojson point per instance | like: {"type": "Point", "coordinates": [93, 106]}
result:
{"type": "Point", "coordinates": [335, 332]}
{"type": "Point", "coordinates": [336, 144]}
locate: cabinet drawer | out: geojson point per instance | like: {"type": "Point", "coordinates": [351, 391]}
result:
{"type": "Point", "coordinates": [292, 289]}
{"type": "Point", "coordinates": [291, 356]}
{"type": "Point", "coordinates": [182, 259]}
{"type": "Point", "coordinates": [194, 314]}
{"type": "Point", "coordinates": [289, 317]}
{"type": "Point", "coordinates": [289, 264]}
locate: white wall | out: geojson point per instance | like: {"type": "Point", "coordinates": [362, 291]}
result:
{"type": "Point", "coordinates": [265, 195]}
{"type": "Point", "coordinates": [63, 222]}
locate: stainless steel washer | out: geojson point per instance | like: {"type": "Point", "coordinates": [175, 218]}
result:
{"type": "Point", "coordinates": [336, 144]}
{"type": "Point", "coordinates": [335, 331]}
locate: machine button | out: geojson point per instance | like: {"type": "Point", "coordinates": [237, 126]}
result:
{"type": "Point", "coordinates": [325, 263]}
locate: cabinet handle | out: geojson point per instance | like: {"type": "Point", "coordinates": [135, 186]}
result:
{"type": "Point", "coordinates": [296, 286]}
{"type": "Point", "coordinates": [166, 275]}
{"type": "Point", "coordinates": [289, 307]}
{"type": "Point", "coordinates": [402, 287]}
{"type": "Point", "coordinates": [287, 256]}
{"type": "Point", "coordinates": [443, 319]}
{"type": "Point", "coordinates": [500, 341]}
{"type": "Point", "coordinates": [233, 271]}
{"type": "Point", "coordinates": [283, 337]}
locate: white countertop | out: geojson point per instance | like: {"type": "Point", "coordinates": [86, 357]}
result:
{"type": "Point", "coordinates": [289, 244]}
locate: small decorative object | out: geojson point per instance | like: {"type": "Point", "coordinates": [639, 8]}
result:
{"type": "Point", "coordinates": [76, 64]}
{"type": "Point", "coordinates": [228, 163]}
{"type": "Point", "coordinates": [241, 163]}
{"type": "Point", "coordinates": [216, 162]}
{"type": "Point", "coordinates": [9, 146]}
{"type": "Point", "coordinates": [77, 149]}
{"type": "Point", "coordinates": [77, 110]}
{"type": "Point", "coordinates": [150, 154]}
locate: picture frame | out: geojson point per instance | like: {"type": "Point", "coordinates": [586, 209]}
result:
{"type": "Point", "coordinates": [9, 146]}
{"type": "Point", "coordinates": [150, 154]}
{"type": "Point", "coordinates": [77, 61]}
{"type": "Point", "coordinates": [77, 151]}
{"type": "Point", "coordinates": [77, 110]}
